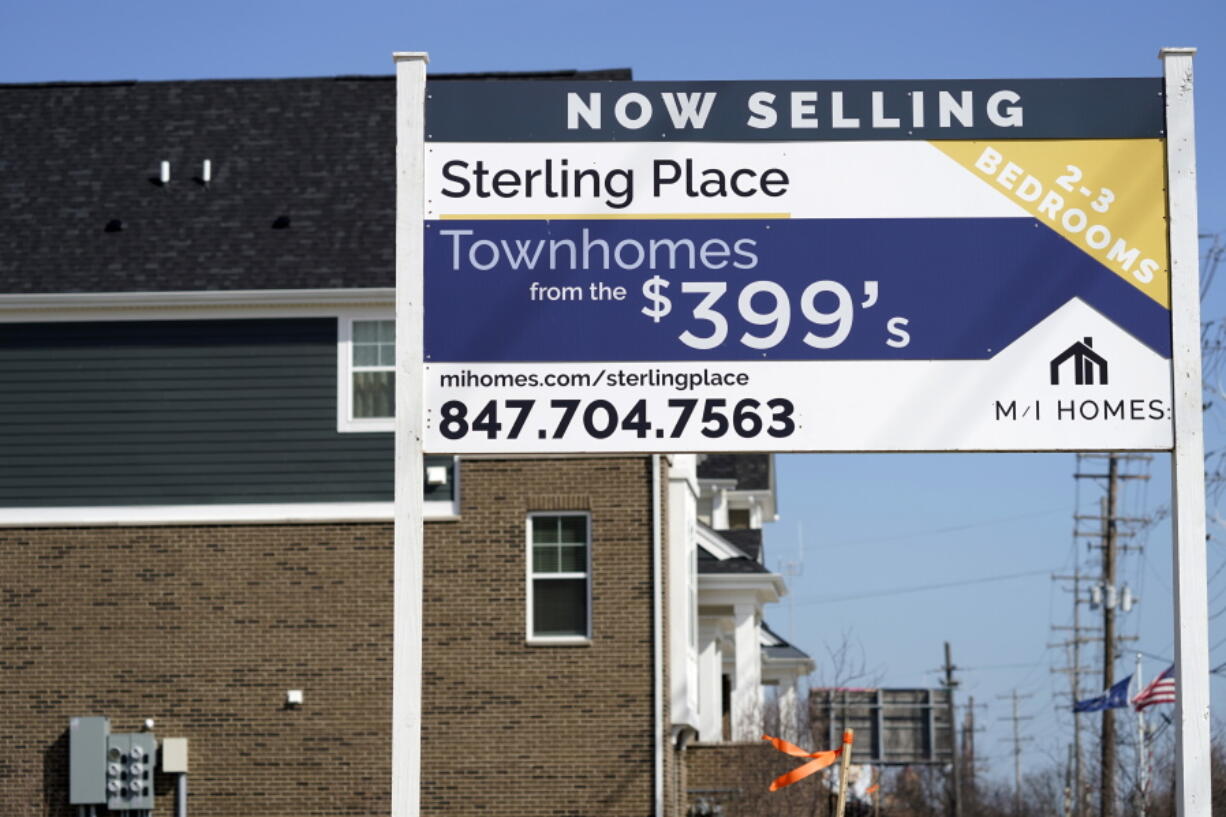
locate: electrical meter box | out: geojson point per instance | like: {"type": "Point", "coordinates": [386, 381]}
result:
{"type": "Point", "coordinates": [113, 769]}
{"type": "Point", "coordinates": [130, 760]}
{"type": "Point", "coordinates": [87, 760]}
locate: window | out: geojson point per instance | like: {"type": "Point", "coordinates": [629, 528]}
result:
{"type": "Point", "coordinates": [559, 590]}
{"type": "Point", "coordinates": [366, 399]}
{"type": "Point", "coordinates": [367, 374]}
{"type": "Point", "coordinates": [739, 519]}
{"type": "Point", "coordinates": [373, 374]}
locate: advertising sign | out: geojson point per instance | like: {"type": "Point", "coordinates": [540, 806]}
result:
{"type": "Point", "coordinates": [894, 727]}
{"type": "Point", "coordinates": [791, 266]}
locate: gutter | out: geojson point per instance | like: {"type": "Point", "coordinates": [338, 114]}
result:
{"type": "Point", "coordinates": [28, 307]}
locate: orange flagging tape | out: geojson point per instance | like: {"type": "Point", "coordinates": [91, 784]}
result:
{"type": "Point", "coordinates": [820, 761]}
{"type": "Point", "coordinates": [872, 788]}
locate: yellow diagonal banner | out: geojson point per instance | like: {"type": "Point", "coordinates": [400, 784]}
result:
{"type": "Point", "coordinates": [1104, 195]}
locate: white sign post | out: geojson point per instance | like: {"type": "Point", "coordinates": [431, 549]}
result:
{"type": "Point", "coordinates": [409, 530]}
{"type": "Point", "coordinates": [1192, 778]}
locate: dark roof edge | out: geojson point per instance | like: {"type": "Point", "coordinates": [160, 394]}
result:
{"type": "Point", "coordinates": [784, 644]}
{"type": "Point", "coordinates": [564, 74]}
{"type": "Point", "coordinates": [604, 73]}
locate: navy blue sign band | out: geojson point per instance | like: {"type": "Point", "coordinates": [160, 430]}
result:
{"type": "Point", "coordinates": [965, 288]}
{"type": "Point", "coordinates": [533, 111]}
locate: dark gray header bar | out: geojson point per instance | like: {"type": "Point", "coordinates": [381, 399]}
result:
{"type": "Point", "coordinates": [549, 111]}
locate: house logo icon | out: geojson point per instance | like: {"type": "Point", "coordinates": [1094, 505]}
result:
{"type": "Point", "coordinates": [1089, 367]}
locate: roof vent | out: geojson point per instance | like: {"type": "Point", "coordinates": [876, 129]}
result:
{"type": "Point", "coordinates": [164, 176]}
{"type": "Point", "coordinates": [281, 222]}
{"type": "Point", "coordinates": [115, 225]}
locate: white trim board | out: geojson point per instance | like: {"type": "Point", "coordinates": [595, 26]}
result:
{"type": "Point", "coordinates": [230, 514]}
{"type": "Point", "coordinates": [115, 306]}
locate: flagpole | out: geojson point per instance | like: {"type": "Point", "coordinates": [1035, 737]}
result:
{"type": "Point", "coordinates": [1142, 783]}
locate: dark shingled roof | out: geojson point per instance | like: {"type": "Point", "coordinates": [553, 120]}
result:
{"type": "Point", "coordinates": [783, 649]}
{"type": "Point", "coordinates": [741, 564]}
{"type": "Point", "coordinates": [751, 471]}
{"type": "Point", "coordinates": [75, 157]}
{"type": "Point", "coordinates": [747, 539]}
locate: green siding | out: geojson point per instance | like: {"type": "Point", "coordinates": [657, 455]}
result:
{"type": "Point", "coordinates": [179, 412]}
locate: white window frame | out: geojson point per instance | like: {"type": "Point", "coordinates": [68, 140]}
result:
{"type": "Point", "coordinates": [345, 421]}
{"type": "Point", "coordinates": [530, 576]}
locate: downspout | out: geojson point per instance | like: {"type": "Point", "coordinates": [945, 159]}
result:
{"type": "Point", "coordinates": [657, 631]}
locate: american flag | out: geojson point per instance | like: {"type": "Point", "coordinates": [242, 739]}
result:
{"type": "Point", "coordinates": [1161, 690]}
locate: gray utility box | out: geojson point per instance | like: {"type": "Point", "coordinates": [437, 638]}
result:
{"type": "Point", "coordinates": [87, 760]}
{"type": "Point", "coordinates": [113, 769]}
{"type": "Point", "coordinates": [129, 771]}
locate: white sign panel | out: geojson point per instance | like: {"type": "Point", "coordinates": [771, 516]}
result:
{"type": "Point", "coordinates": [885, 269]}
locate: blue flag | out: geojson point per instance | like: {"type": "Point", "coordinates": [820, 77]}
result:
{"type": "Point", "coordinates": [1114, 698]}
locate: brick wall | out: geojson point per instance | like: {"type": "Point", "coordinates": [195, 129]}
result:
{"type": "Point", "coordinates": [539, 730]}
{"type": "Point", "coordinates": [737, 777]}
{"type": "Point", "coordinates": [205, 628]}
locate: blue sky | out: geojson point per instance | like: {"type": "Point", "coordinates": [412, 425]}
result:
{"type": "Point", "coordinates": [857, 524]}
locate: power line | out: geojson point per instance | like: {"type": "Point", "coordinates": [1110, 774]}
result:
{"type": "Point", "coordinates": [866, 540]}
{"type": "Point", "coordinates": [919, 588]}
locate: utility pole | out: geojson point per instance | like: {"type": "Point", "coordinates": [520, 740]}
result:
{"type": "Point", "coordinates": [1070, 793]}
{"type": "Point", "coordinates": [1109, 540]}
{"type": "Point", "coordinates": [955, 789]}
{"type": "Point", "coordinates": [1018, 740]}
{"type": "Point", "coordinates": [1111, 535]}
{"type": "Point", "coordinates": [1075, 671]}
{"type": "Point", "coordinates": [968, 746]}
{"type": "Point", "coordinates": [969, 787]}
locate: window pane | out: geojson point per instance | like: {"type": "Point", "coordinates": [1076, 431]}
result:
{"type": "Point", "coordinates": [365, 354]}
{"type": "Point", "coordinates": [366, 331]}
{"type": "Point", "coordinates": [386, 331]}
{"type": "Point", "coordinates": [573, 559]}
{"type": "Point", "coordinates": [544, 529]}
{"type": "Point", "coordinates": [559, 607]}
{"type": "Point", "coordinates": [387, 354]}
{"type": "Point", "coordinates": [545, 559]}
{"type": "Point", "coordinates": [374, 394]}
{"type": "Point", "coordinates": [573, 529]}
